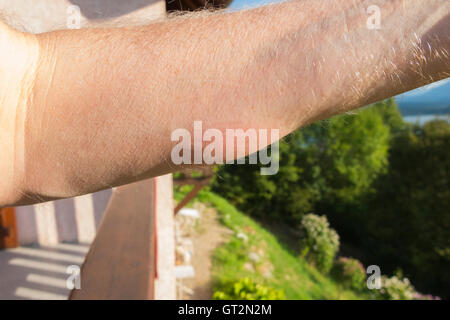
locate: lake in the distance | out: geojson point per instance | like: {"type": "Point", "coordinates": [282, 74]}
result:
{"type": "Point", "coordinates": [422, 119]}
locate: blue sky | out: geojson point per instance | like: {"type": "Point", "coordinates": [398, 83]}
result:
{"type": "Point", "coordinates": [434, 98]}
{"type": "Point", "coordinates": [239, 4]}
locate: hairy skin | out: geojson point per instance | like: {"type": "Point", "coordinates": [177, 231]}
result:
{"type": "Point", "coordinates": [95, 108]}
{"type": "Point", "coordinates": [18, 62]}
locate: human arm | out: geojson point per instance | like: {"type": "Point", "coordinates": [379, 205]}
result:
{"type": "Point", "coordinates": [103, 102]}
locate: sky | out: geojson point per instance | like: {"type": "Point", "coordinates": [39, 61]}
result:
{"type": "Point", "coordinates": [431, 99]}
{"type": "Point", "coordinates": [239, 4]}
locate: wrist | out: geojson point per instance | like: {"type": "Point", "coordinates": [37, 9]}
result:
{"type": "Point", "coordinates": [18, 60]}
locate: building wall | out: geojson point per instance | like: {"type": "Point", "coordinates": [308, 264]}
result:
{"type": "Point", "coordinates": [69, 220]}
{"type": "Point", "coordinates": [165, 286]}
{"type": "Point", "coordinates": [39, 16]}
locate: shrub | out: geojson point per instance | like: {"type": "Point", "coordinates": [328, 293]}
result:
{"type": "Point", "coordinates": [350, 273]}
{"type": "Point", "coordinates": [319, 242]}
{"type": "Point", "coordinates": [420, 296]}
{"type": "Point", "coordinates": [247, 289]}
{"type": "Point", "coordinates": [395, 288]}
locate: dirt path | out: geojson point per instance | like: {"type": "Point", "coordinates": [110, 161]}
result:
{"type": "Point", "coordinates": [208, 235]}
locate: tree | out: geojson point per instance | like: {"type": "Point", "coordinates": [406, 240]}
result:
{"type": "Point", "coordinates": [408, 224]}
{"type": "Point", "coordinates": [336, 160]}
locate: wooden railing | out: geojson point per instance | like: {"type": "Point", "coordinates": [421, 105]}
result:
{"type": "Point", "coordinates": [120, 263]}
{"type": "Point", "coordinates": [199, 183]}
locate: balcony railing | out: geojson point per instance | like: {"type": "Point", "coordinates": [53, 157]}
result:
{"type": "Point", "coordinates": [120, 263]}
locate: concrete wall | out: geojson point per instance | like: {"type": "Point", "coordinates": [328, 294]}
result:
{"type": "Point", "coordinates": [39, 16]}
{"type": "Point", "coordinates": [69, 220]}
{"type": "Point", "coordinates": [165, 286]}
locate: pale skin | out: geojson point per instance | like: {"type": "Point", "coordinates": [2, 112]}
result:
{"type": "Point", "coordinates": [84, 110]}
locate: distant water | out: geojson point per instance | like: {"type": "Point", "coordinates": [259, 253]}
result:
{"type": "Point", "coordinates": [426, 103]}
{"type": "Point", "coordinates": [422, 119]}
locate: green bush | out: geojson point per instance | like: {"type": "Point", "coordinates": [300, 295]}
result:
{"type": "Point", "coordinates": [318, 241]}
{"type": "Point", "coordinates": [247, 289]}
{"type": "Point", "coordinates": [395, 288]}
{"type": "Point", "coordinates": [399, 288]}
{"type": "Point", "coordinates": [350, 273]}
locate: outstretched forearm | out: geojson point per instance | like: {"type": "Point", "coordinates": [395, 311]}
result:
{"type": "Point", "coordinates": [105, 101]}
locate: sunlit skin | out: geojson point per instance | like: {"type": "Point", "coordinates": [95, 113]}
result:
{"type": "Point", "coordinates": [84, 110]}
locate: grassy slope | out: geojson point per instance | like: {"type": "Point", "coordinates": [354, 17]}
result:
{"type": "Point", "coordinates": [283, 269]}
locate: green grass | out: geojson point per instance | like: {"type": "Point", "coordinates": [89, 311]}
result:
{"type": "Point", "coordinates": [277, 267]}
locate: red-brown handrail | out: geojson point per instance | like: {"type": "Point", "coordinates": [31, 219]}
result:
{"type": "Point", "coordinates": [8, 228]}
{"type": "Point", "coordinates": [120, 263]}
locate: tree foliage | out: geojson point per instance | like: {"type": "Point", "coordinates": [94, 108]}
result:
{"type": "Point", "coordinates": [408, 223]}
{"type": "Point", "coordinates": [335, 159]}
